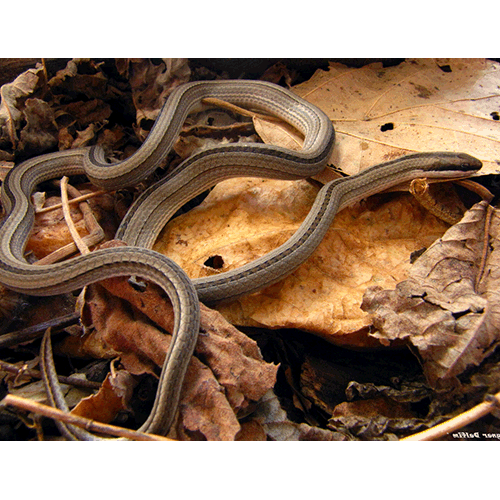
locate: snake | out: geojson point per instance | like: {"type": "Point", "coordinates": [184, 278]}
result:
{"type": "Point", "coordinates": [156, 205]}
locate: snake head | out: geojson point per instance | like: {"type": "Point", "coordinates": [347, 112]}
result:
{"type": "Point", "coordinates": [453, 165]}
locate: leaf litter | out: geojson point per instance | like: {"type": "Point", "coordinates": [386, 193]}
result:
{"type": "Point", "coordinates": [228, 381]}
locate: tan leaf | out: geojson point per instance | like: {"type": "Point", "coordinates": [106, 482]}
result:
{"type": "Point", "coordinates": [244, 219]}
{"type": "Point", "coordinates": [278, 133]}
{"type": "Point", "coordinates": [440, 308]}
{"type": "Point", "coordinates": [381, 113]}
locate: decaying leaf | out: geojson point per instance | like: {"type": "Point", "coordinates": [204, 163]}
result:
{"type": "Point", "coordinates": [39, 133]}
{"type": "Point", "coordinates": [271, 420]}
{"type": "Point", "coordinates": [448, 307]}
{"type": "Point", "coordinates": [112, 397]}
{"type": "Point", "coordinates": [79, 77]}
{"type": "Point", "coordinates": [151, 84]}
{"type": "Point", "coordinates": [10, 109]}
{"type": "Point", "coordinates": [232, 376]}
{"type": "Point", "coordinates": [69, 110]}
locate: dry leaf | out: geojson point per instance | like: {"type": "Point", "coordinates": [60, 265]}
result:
{"type": "Point", "coordinates": [439, 309]}
{"type": "Point", "coordinates": [40, 132]}
{"type": "Point", "coordinates": [275, 132]}
{"type": "Point", "coordinates": [85, 113]}
{"type": "Point", "coordinates": [232, 376]}
{"type": "Point", "coordinates": [112, 397]}
{"type": "Point", "coordinates": [376, 418]}
{"type": "Point", "coordinates": [419, 105]}
{"type": "Point", "coordinates": [151, 84]}
{"type": "Point", "coordinates": [272, 420]}
{"type": "Point", "coordinates": [79, 77]}
{"type": "Point", "coordinates": [11, 114]}
{"type": "Point", "coordinates": [367, 245]}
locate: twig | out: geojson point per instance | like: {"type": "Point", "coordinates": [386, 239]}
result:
{"type": "Point", "coordinates": [33, 332]}
{"type": "Point", "coordinates": [73, 201]}
{"type": "Point", "coordinates": [69, 418]}
{"type": "Point", "coordinates": [96, 233]}
{"type": "Point", "coordinates": [236, 109]}
{"type": "Point", "coordinates": [74, 381]}
{"type": "Point", "coordinates": [457, 422]}
{"type": "Point", "coordinates": [84, 249]}
{"type": "Point", "coordinates": [477, 188]}
{"type": "Point", "coordinates": [45, 72]}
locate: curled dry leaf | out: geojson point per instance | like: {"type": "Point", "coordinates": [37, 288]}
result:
{"type": "Point", "coordinates": [112, 397]}
{"type": "Point", "coordinates": [232, 376]}
{"type": "Point", "coordinates": [151, 84]}
{"type": "Point", "coordinates": [11, 112]}
{"type": "Point", "coordinates": [40, 133]}
{"type": "Point", "coordinates": [448, 307]}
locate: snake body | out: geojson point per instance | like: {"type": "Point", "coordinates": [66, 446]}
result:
{"type": "Point", "coordinates": [157, 204]}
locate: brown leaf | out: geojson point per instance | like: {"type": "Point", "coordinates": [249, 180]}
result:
{"type": "Point", "coordinates": [51, 232]}
{"type": "Point", "coordinates": [112, 397]}
{"type": "Point", "coordinates": [11, 94]}
{"type": "Point", "coordinates": [151, 84]}
{"type": "Point", "coordinates": [84, 113]}
{"type": "Point", "coordinates": [233, 357]}
{"type": "Point", "coordinates": [379, 417]}
{"type": "Point", "coordinates": [39, 133]}
{"type": "Point", "coordinates": [80, 76]}
{"type": "Point", "coordinates": [277, 427]}
{"type": "Point", "coordinates": [375, 407]}
{"type": "Point", "coordinates": [233, 376]}
{"type": "Point", "coordinates": [438, 308]}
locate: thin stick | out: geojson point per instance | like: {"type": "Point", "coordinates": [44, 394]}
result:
{"type": "Point", "coordinates": [36, 331]}
{"type": "Point", "coordinates": [457, 422]}
{"type": "Point", "coordinates": [96, 233]}
{"type": "Point", "coordinates": [89, 425]}
{"type": "Point", "coordinates": [79, 199]}
{"type": "Point", "coordinates": [74, 381]}
{"type": "Point", "coordinates": [84, 249]}
{"type": "Point", "coordinates": [236, 109]}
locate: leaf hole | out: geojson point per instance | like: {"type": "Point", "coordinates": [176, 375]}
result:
{"type": "Point", "coordinates": [495, 115]}
{"type": "Point", "coordinates": [446, 68]}
{"type": "Point", "coordinates": [215, 262]}
{"type": "Point", "coordinates": [387, 126]}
